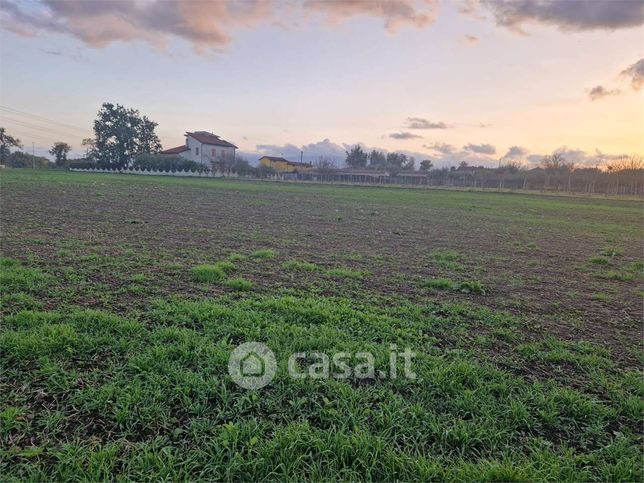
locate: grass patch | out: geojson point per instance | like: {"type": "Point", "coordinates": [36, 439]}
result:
{"type": "Point", "coordinates": [16, 278]}
{"type": "Point", "coordinates": [345, 272]}
{"type": "Point", "coordinates": [439, 284]}
{"type": "Point", "coordinates": [301, 266]}
{"type": "Point", "coordinates": [226, 266]}
{"type": "Point", "coordinates": [612, 252]}
{"type": "Point", "coordinates": [265, 253]}
{"type": "Point", "coordinates": [599, 260]}
{"type": "Point", "coordinates": [448, 259]}
{"type": "Point", "coordinates": [208, 273]}
{"type": "Point", "coordinates": [239, 283]}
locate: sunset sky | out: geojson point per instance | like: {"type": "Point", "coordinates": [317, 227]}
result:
{"type": "Point", "coordinates": [448, 81]}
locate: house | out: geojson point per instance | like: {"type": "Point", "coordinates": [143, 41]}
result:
{"type": "Point", "coordinates": [206, 148]}
{"type": "Point", "coordinates": [282, 165]}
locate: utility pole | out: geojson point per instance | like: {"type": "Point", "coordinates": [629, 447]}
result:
{"type": "Point", "coordinates": [33, 155]}
{"type": "Point", "coordinates": [301, 155]}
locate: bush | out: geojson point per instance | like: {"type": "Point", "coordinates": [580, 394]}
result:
{"type": "Point", "coordinates": [19, 159]}
{"type": "Point", "coordinates": [163, 162]}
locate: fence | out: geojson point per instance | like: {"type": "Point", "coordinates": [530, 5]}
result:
{"type": "Point", "coordinates": [152, 172]}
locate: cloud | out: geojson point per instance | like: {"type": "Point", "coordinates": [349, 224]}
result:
{"type": "Point", "coordinates": [395, 13]}
{"type": "Point", "coordinates": [98, 23]}
{"type": "Point", "coordinates": [442, 148]}
{"type": "Point", "coordinates": [420, 123]}
{"type": "Point", "coordinates": [207, 25]}
{"type": "Point", "coordinates": [514, 153]}
{"type": "Point", "coordinates": [444, 154]}
{"type": "Point", "coordinates": [635, 73]}
{"type": "Point", "coordinates": [480, 148]}
{"type": "Point", "coordinates": [404, 135]}
{"type": "Point", "coordinates": [566, 15]}
{"type": "Point", "coordinates": [598, 92]}
{"type": "Point", "coordinates": [312, 151]}
{"type": "Point", "coordinates": [578, 157]}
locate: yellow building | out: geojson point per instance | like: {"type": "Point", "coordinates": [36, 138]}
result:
{"type": "Point", "coordinates": [282, 165]}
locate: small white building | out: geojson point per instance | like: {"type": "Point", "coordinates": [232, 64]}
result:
{"type": "Point", "coordinates": [206, 148]}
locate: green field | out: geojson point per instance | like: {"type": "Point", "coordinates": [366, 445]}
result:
{"type": "Point", "coordinates": [122, 298]}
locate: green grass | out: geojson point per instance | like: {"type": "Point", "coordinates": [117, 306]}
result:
{"type": "Point", "coordinates": [448, 259]}
{"type": "Point", "coordinates": [265, 253]}
{"type": "Point", "coordinates": [439, 284]}
{"type": "Point", "coordinates": [173, 362]}
{"type": "Point", "coordinates": [208, 273]}
{"type": "Point", "coordinates": [239, 283]}
{"type": "Point", "coordinates": [115, 340]}
{"type": "Point", "coordinates": [301, 266]}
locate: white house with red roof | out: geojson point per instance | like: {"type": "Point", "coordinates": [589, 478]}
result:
{"type": "Point", "coordinates": [206, 148]}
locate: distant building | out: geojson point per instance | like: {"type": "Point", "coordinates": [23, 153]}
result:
{"type": "Point", "coordinates": [282, 165]}
{"type": "Point", "coordinates": [206, 148]}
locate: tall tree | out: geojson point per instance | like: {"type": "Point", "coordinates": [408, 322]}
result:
{"type": "Point", "coordinates": [356, 158]}
{"type": "Point", "coordinates": [149, 142]}
{"type": "Point", "coordinates": [6, 143]}
{"type": "Point", "coordinates": [377, 160]}
{"type": "Point", "coordinates": [121, 133]}
{"type": "Point", "coordinates": [426, 165]}
{"type": "Point", "coordinates": [59, 151]}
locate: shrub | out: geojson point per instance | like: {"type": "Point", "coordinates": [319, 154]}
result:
{"type": "Point", "coordinates": [162, 162]}
{"type": "Point", "coordinates": [208, 273]}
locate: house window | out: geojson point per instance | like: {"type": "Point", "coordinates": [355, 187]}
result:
{"type": "Point", "coordinates": [197, 151]}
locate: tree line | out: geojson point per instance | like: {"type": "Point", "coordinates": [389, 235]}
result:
{"type": "Point", "coordinates": [123, 137]}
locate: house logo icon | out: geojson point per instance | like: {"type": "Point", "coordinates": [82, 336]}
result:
{"type": "Point", "coordinates": [252, 365]}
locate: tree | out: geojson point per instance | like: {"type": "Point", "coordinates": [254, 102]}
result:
{"type": "Point", "coordinates": [395, 162]}
{"type": "Point", "coordinates": [20, 159]}
{"type": "Point", "coordinates": [426, 165]}
{"type": "Point", "coordinates": [356, 158]}
{"type": "Point", "coordinates": [6, 143]}
{"type": "Point", "coordinates": [377, 160]}
{"type": "Point", "coordinates": [410, 164]}
{"type": "Point", "coordinates": [88, 144]}
{"type": "Point", "coordinates": [59, 151]}
{"type": "Point", "coordinates": [121, 133]}
{"type": "Point", "coordinates": [149, 142]}
{"type": "Point", "coordinates": [324, 165]}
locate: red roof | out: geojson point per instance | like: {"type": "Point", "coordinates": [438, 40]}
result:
{"type": "Point", "coordinates": [177, 150]}
{"type": "Point", "coordinates": [205, 137]}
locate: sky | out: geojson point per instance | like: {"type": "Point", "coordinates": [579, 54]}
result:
{"type": "Point", "coordinates": [480, 81]}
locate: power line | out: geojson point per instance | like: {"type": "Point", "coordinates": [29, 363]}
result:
{"type": "Point", "coordinates": [46, 129]}
{"type": "Point", "coordinates": [41, 118]}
